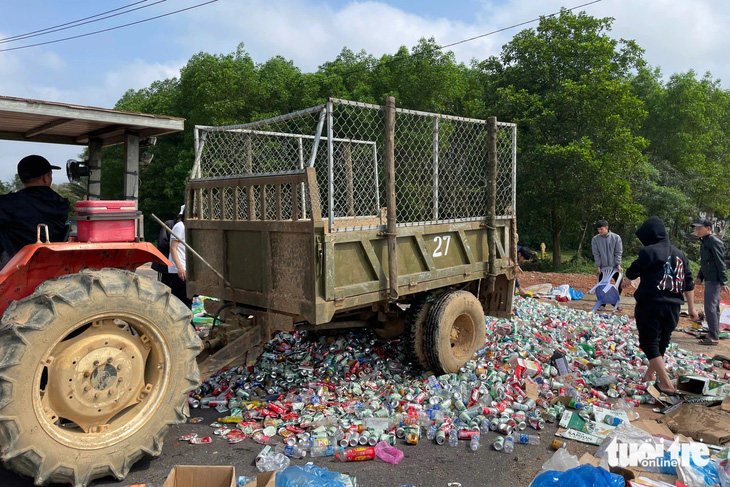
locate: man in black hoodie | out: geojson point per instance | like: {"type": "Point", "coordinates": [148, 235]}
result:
{"type": "Point", "coordinates": [665, 280]}
{"type": "Point", "coordinates": [21, 212]}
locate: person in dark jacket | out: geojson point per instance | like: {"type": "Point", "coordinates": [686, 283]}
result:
{"type": "Point", "coordinates": [714, 273]}
{"type": "Point", "coordinates": [666, 280]}
{"type": "Point", "coordinates": [36, 203]}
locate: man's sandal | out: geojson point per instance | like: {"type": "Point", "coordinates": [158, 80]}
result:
{"type": "Point", "coordinates": [707, 341]}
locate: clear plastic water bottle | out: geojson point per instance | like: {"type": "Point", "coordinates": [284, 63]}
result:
{"type": "Point", "coordinates": [453, 437]}
{"type": "Point", "coordinates": [509, 444]}
{"type": "Point", "coordinates": [431, 432]}
{"type": "Point", "coordinates": [474, 442]}
{"type": "Point", "coordinates": [484, 427]}
{"type": "Point", "coordinates": [197, 306]}
{"type": "Point", "coordinates": [524, 439]}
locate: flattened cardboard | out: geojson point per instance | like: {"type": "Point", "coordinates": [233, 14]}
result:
{"type": "Point", "coordinates": [579, 436]}
{"type": "Point", "coordinates": [709, 425]}
{"type": "Point", "coordinates": [600, 414]}
{"type": "Point", "coordinates": [571, 420]}
{"type": "Point", "coordinates": [197, 475]}
{"type": "Point", "coordinates": [532, 391]}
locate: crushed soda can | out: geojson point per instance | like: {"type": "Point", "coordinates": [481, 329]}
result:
{"type": "Point", "coordinates": [188, 437]}
{"type": "Point", "coordinates": [200, 441]}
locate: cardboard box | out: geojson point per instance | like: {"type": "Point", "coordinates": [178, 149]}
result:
{"type": "Point", "coordinates": [528, 367]}
{"type": "Point", "coordinates": [201, 475]}
{"type": "Point", "coordinates": [703, 386]}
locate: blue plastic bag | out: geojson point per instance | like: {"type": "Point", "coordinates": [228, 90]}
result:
{"type": "Point", "coordinates": [308, 476]}
{"type": "Point", "coordinates": [583, 476]}
{"type": "Point", "coordinates": [575, 295]}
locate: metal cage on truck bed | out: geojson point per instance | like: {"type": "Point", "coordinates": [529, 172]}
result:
{"type": "Point", "coordinates": [294, 210]}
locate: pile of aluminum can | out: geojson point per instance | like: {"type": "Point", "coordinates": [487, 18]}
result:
{"type": "Point", "coordinates": [318, 395]}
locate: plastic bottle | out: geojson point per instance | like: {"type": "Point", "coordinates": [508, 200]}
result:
{"type": "Point", "coordinates": [293, 451]}
{"type": "Point", "coordinates": [431, 432]}
{"type": "Point", "coordinates": [356, 454]}
{"type": "Point", "coordinates": [271, 462]}
{"type": "Point", "coordinates": [484, 427]}
{"type": "Point", "coordinates": [243, 480]}
{"type": "Point", "coordinates": [322, 447]}
{"type": "Point", "coordinates": [509, 444]}
{"type": "Point", "coordinates": [474, 442]}
{"type": "Point", "coordinates": [197, 306]}
{"type": "Point", "coordinates": [524, 439]}
{"type": "Point", "coordinates": [453, 437]}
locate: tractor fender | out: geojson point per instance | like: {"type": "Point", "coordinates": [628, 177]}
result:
{"type": "Point", "coordinates": [38, 262]}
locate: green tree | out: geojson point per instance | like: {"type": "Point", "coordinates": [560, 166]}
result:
{"type": "Point", "coordinates": [566, 86]}
{"type": "Point", "coordinates": [690, 138]}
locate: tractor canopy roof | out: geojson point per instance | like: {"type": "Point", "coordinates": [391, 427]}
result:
{"type": "Point", "coordinates": [63, 123]}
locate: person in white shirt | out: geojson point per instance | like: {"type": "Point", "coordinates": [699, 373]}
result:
{"type": "Point", "coordinates": [177, 275]}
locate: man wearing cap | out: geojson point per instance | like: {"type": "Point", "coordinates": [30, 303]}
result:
{"type": "Point", "coordinates": [36, 203]}
{"type": "Point", "coordinates": [714, 273]}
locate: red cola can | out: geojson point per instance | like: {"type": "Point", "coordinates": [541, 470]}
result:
{"type": "Point", "coordinates": [537, 423]}
{"type": "Point", "coordinates": [467, 434]}
{"type": "Point", "coordinates": [276, 408]}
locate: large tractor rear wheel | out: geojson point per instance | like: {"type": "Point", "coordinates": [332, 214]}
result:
{"type": "Point", "coordinates": [455, 330]}
{"type": "Point", "coordinates": [94, 369]}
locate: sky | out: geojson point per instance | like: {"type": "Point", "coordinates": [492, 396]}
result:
{"type": "Point", "coordinates": [96, 70]}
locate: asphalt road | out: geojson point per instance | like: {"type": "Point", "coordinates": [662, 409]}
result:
{"type": "Point", "coordinates": [423, 465]}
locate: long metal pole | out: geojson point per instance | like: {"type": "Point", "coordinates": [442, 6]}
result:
{"type": "Point", "coordinates": [301, 185]}
{"type": "Point", "coordinates": [492, 200]}
{"type": "Point", "coordinates": [317, 136]}
{"type": "Point", "coordinates": [192, 250]}
{"type": "Point", "coordinates": [330, 171]}
{"type": "Point", "coordinates": [435, 168]}
{"type": "Point", "coordinates": [390, 195]}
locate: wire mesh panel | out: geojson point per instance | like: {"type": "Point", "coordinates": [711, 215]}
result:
{"type": "Point", "coordinates": [275, 145]}
{"type": "Point", "coordinates": [440, 166]}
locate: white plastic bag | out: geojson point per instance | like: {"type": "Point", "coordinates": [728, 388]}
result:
{"type": "Point", "coordinates": [561, 461]}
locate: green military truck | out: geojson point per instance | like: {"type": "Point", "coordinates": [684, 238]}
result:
{"type": "Point", "coordinates": [351, 214]}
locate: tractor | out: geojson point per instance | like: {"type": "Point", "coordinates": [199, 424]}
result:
{"type": "Point", "coordinates": [96, 361]}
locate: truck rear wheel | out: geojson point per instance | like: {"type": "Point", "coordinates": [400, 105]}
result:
{"type": "Point", "coordinates": [414, 330]}
{"type": "Point", "coordinates": [455, 330]}
{"type": "Point", "coordinates": [94, 369]}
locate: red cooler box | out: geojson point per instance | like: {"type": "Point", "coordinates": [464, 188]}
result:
{"type": "Point", "coordinates": [106, 221]}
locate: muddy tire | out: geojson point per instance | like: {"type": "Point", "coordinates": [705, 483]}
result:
{"type": "Point", "coordinates": [94, 369]}
{"type": "Point", "coordinates": [414, 330]}
{"type": "Point", "coordinates": [455, 330]}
